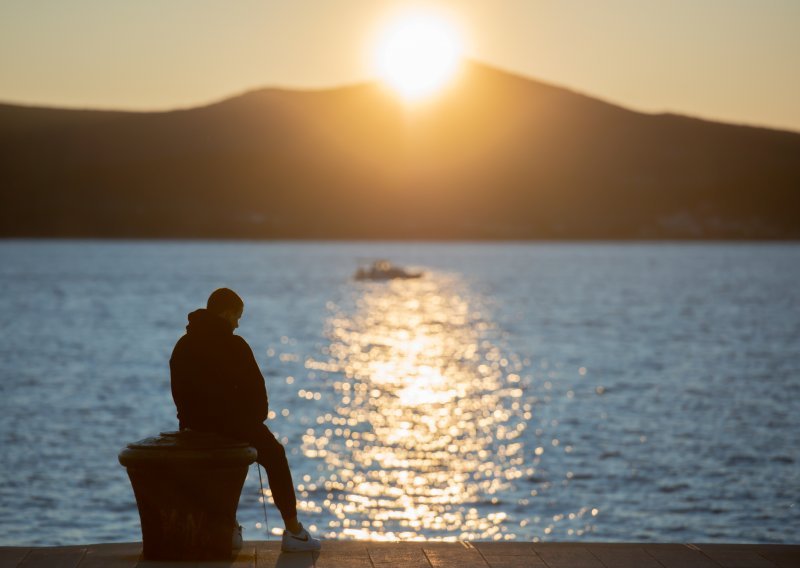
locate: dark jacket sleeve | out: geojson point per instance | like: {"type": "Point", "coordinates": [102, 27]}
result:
{"type": "Point", "coordinates": [254, 399]}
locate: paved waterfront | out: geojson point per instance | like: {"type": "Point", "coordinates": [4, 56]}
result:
{"type": "Point", "coordinates": [365, 554]}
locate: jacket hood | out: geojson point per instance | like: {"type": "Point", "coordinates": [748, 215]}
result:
{"type": "Point", "coordinates": [204, 322]}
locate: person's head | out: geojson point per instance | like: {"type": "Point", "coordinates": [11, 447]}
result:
{"type": "Point", "coordinates": [227, 304]}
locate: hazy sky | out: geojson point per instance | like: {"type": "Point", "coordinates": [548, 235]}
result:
{"type": "Point", "coordinates": [732, 60]}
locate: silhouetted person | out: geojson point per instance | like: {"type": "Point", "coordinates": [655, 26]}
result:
{"type": "Point", "coordinates": [218, 387]}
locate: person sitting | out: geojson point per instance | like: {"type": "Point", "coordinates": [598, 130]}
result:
{"type": "Point", "coordinates": [218, 387]}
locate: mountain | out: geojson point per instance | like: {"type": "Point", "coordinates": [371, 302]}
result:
{"type": "Point", "coordinates": [495, 156]}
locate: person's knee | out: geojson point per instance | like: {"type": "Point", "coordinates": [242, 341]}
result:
{"type": "Point", "coordinates": [279, 451]}
{"type": "Point", "coordinates": [270, 450]}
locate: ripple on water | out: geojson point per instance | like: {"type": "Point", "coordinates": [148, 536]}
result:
{"type": "Point", "coordinates": [427, 432]}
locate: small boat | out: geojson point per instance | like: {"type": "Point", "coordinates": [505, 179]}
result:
{"type": "Point", "coordinates": [383, 270]}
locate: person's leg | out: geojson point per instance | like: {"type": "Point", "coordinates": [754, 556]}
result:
{"type": "Point", "coordinates": [272, 456]}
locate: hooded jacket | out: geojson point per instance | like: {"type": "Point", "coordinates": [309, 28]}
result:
{"type": "Point", "coordinates": [216, 383]}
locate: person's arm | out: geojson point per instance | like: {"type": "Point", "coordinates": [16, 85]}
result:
{"type": "Point", "coordinates": [255, 390]}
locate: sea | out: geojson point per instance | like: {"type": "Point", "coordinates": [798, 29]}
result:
{"type": "Point", "coordinates": [515, 391]}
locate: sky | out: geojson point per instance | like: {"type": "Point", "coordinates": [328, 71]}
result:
{"type": "Point", "coordinates": [731, 60]}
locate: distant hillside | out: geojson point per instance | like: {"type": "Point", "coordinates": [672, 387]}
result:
{"type": "Point", "coordinates": [497, 156]}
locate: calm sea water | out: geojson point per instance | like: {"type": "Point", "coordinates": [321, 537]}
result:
{"type": "Point", "coordinates": [618, 392]}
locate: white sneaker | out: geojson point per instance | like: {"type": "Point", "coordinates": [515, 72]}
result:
{"type": "Point", "coordinates": [300, 542]}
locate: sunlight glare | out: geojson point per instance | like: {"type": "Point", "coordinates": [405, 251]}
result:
{"type": "Point", "coordinates": [418, 53]}
{"type": "Point", "coordinates": [427, 430]}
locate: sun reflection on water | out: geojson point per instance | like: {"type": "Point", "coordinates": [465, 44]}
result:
{"type": "Point", "coordinates": [426, 430]}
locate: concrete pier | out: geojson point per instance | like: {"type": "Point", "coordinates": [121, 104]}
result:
{"type": "Point", "coordinates": [361, 554]}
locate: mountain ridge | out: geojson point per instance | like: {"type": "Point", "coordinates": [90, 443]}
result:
{"type": "Point", "coordinates": [373, 84]}
{"type": "Point", "coordinates": [495, 156]}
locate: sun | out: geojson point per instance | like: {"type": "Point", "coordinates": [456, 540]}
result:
{"type": "Point", "coordinates": [417, 54]}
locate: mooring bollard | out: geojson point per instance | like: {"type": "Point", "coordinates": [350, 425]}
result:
{"type": "Point", "coordinates": [187, 486]}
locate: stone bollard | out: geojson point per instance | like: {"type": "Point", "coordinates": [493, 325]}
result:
{"type": "Point", "coordinates": [187, 486]}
